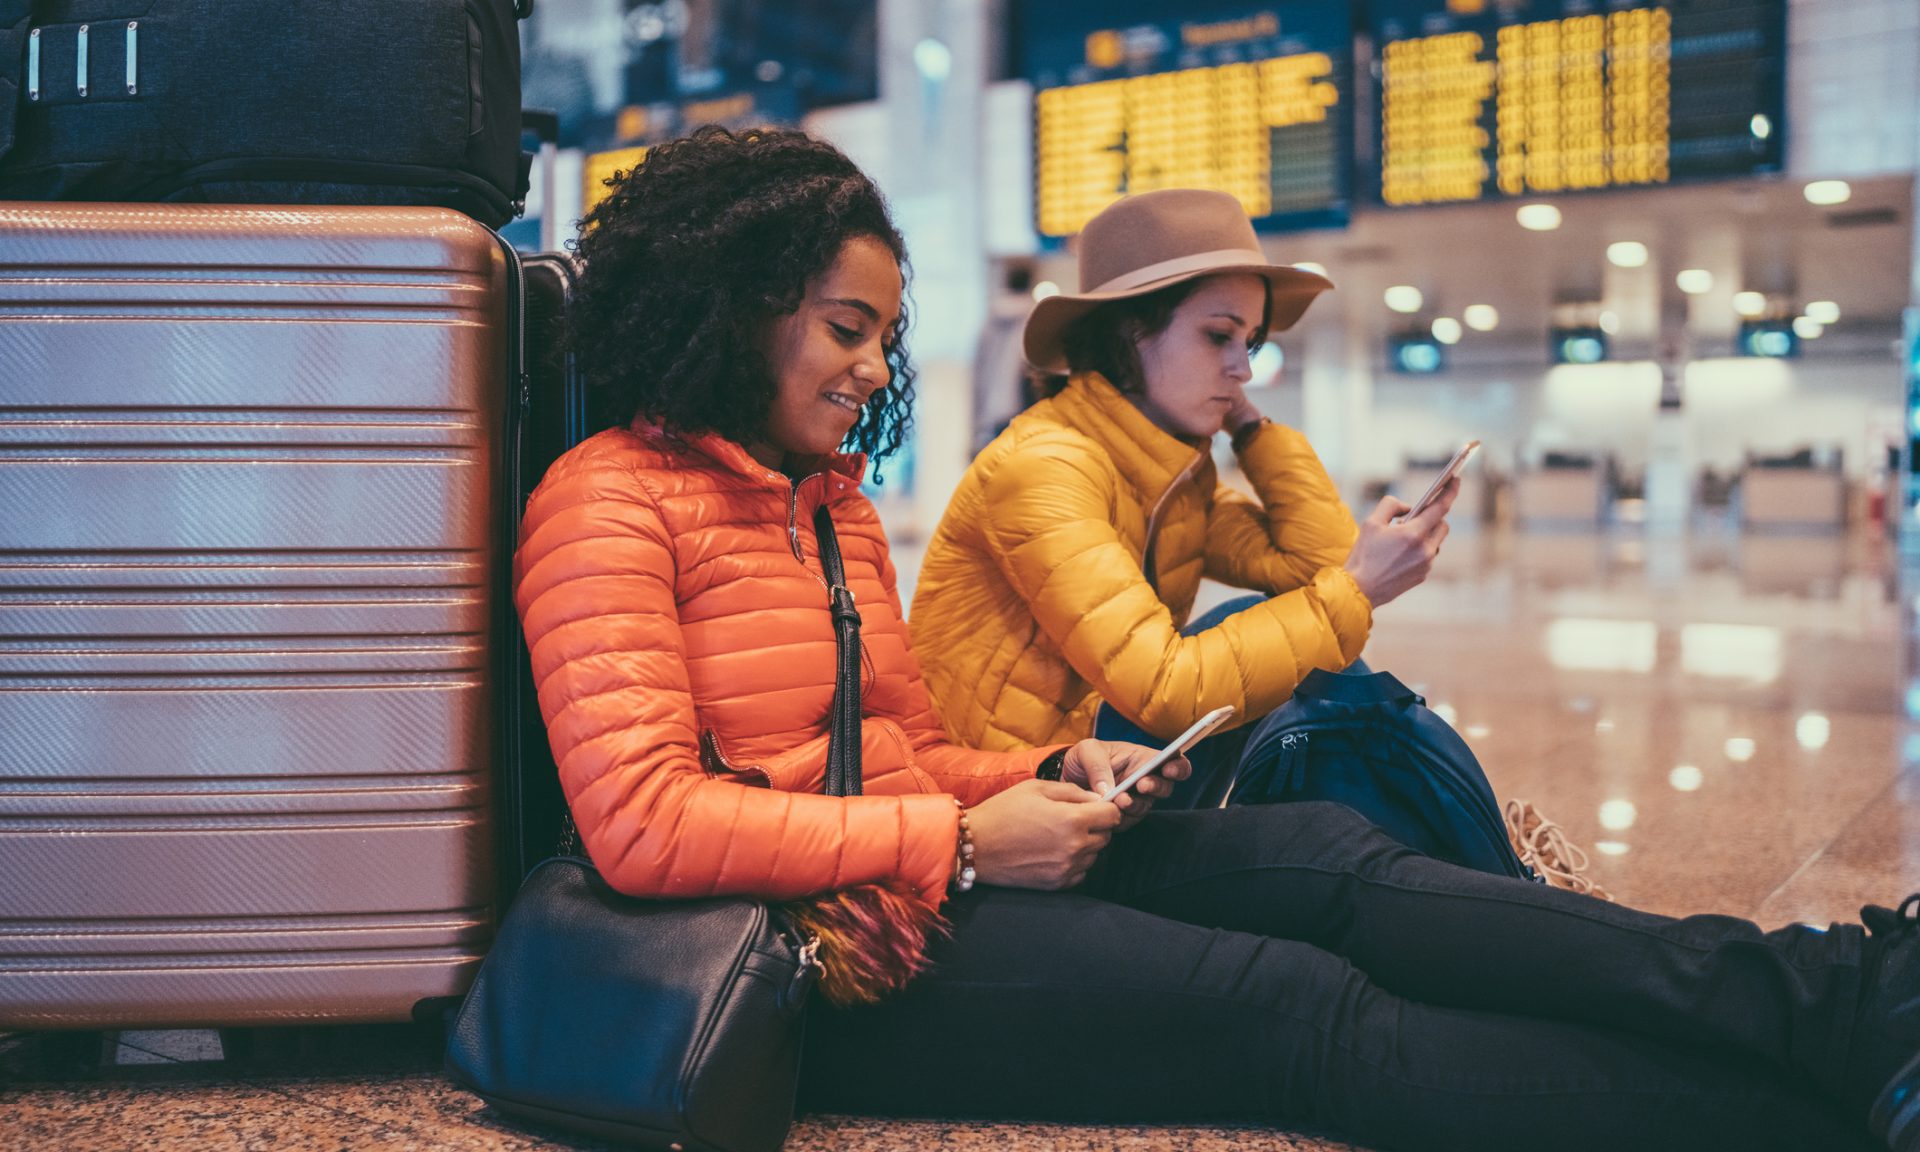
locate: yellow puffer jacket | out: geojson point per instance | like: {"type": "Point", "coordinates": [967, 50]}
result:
{"type": "Point", "coordinates": [1069, 559]}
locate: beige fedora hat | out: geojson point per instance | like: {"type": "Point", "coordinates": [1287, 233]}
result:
{"type": "Point", "coordinates": [1143, 243]}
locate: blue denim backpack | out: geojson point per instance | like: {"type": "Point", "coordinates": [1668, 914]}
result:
{"type": "Point", "coordinates": [1371, 743]}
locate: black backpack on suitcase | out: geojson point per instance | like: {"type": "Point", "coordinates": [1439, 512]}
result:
{"type": "Point", "coordinates": [363, 102]}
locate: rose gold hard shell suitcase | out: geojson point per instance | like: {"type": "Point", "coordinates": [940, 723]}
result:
{"type": "Point", "coordinates": [248, 540]}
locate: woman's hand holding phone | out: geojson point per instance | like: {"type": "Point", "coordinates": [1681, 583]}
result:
{"type": "Point", "coordinates": [1042, 834]}
{"type": "Point", "coordinates": [1097, 765]}
{"type": "Point", "coordinates": [1046, 834]}
{"type": "Point", "coordinates": [1393, 555]}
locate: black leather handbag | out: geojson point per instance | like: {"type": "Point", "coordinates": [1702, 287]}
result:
{"type": "Point", "coordinates": [670, 1024]}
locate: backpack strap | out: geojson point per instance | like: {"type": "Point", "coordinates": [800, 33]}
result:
{"type": "Point", "coordinates": [1377, 688]}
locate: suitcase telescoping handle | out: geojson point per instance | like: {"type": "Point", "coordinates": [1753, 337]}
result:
{"type": "Point", "coordinates": [544, 124]}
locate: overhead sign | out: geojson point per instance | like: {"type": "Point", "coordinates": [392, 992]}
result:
{"type": "Point", "coordinates": [1248, 99]}
{"type": "Point", "coordinates": [1483, 98]}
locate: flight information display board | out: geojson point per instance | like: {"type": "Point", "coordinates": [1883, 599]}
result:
{"type": "Point", "coordinates": [1250, 99]}
{"type": "Point", "coordinates": [1486, 98]}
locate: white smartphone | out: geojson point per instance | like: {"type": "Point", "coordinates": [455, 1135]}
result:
{"type": "Point", "coordinates": [1432, 493]}
{"type": "Point", "coordinates": [1201, 729]}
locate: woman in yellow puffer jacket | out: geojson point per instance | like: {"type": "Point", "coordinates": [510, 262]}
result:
{"type": "Point", "coordinates": [1072, 551]}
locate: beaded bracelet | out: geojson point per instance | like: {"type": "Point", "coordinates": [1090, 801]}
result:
{"type": "Point", "coordinates": [963, 873]}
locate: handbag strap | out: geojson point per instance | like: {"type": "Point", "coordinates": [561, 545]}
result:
{"type": "Point", "coordinates": [843, 731]}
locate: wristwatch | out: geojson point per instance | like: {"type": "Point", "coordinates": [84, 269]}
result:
{"type": "Point", "coordinates": [1247, 432]}
{"type": "Point", "coordinates": [1052, 767]}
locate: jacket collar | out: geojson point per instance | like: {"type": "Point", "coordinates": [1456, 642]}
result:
{"type": "Point", "coordinates": [1150, 458]}
{"type": "Point", "coordinates": [844, 470]}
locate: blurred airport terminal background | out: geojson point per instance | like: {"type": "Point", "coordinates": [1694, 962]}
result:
{"type": "Point", "coordinates": [1659, 265]}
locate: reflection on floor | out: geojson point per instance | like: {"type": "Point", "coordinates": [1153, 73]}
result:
{"type": "Point", "coordinates": [1726, 722]}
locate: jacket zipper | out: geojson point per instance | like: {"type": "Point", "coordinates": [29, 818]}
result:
{"type": "Point", "coordinates": [714, 755]}
{"type": "Point", "coordinates": [793, 519]}
{"type": "Point", "coordinates": [793, 528]}
{"type": "Point", "coordinates": [1148, 559]}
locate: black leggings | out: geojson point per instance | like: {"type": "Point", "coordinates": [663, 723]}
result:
{"type": "Point", "coordinates": [1293, 964]}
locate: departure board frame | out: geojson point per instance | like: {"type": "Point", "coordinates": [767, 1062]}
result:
{"type": "Point", "coordinates": [1251, 98]}
{"type": "Point", "coordinates": [1500, 99]}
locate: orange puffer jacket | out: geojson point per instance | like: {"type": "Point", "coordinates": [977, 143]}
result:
{"type": "Point", "coordinates": [673, 600]}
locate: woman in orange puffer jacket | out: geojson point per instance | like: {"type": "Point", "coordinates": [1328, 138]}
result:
{"type": "Point", "coordinates": [740, 316]}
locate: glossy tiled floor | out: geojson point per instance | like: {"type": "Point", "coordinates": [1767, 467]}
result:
{"type": "Point", "coordinates": [1725, 721]}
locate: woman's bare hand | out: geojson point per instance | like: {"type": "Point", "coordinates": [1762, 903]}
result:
{"type": "Point", "coordinates": [1390, 558]}
{"type": "Point", "coordinates": [1041, 834]}
{"type": "Point", "coordinates": [1098, 764]}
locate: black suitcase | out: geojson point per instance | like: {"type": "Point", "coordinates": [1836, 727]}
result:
{"type": "Point", "coordinates": [547, 414]}
{"type": "Point", "coordinates": [362, 102]}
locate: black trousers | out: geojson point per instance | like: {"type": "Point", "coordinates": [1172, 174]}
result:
{"type": "Point", "coordinates": [1293, 964]}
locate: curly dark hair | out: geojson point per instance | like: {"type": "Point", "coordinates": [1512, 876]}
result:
{"type": "Point", "coordinates": [692, 256]}
{"type": "Point", "coordinates": [1107, 339]}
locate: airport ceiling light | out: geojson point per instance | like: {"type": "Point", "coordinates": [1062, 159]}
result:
{"type": "Point", "coordinates": [1446, 330]}
{"type": "Point", "coordinates": [933, 59]}
{"type": "Point", "coordinates": [1045, 289]}
{"type": "Point", "coordinates": [1610, 322]}
{"type": "Point", "coordinates": [1823, 312]}
{"type": "Point", "coordinates": [1807, 328]}
{"type": "Point", "coordinates": [1760, 126]}
{"type": "Point", "coordinates": [1481, 317]}
{"type": "Point", "coordinates": [1694, 281]}
{"type": "Point", "coordinates": [1538, 217]}
{"type": "Point", "coordinates": [1627, 254]}
{"type": "Point", "coordinates": [1404, 298]}
{"type": "Point", "coordinates": [1828, 192]}
{"type": "Point", "coordinates": [1749, 304]}
{"type": "Point", "coordinates": [1310, 266]}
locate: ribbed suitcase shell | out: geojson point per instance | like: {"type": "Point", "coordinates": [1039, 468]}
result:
{"type": "Point", "coordinates": [249, 530]}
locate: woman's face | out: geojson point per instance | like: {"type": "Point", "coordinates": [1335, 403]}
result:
{"type": "Point", "coordinates": [1195, 369]}
{"type": "Point", "coordinates": [829, 356]}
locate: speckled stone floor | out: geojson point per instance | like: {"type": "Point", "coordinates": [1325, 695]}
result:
{"type": "Point", "coordinates": [1727, 723]}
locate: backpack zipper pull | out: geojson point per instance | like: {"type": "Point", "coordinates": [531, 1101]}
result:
{"type": "Point", "coordinates": [1292, 773]}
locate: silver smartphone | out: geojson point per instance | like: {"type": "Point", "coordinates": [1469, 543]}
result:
{"type": "Point", "coordinates": [1452, 469]}
{"type": "Point", "coordinates": [1178, 747]}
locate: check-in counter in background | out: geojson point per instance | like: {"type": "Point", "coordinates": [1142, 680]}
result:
{"type": "Point", "coordinates": [1562, 492]}
{"type": "Point", "coordinates": [1801, 492]}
